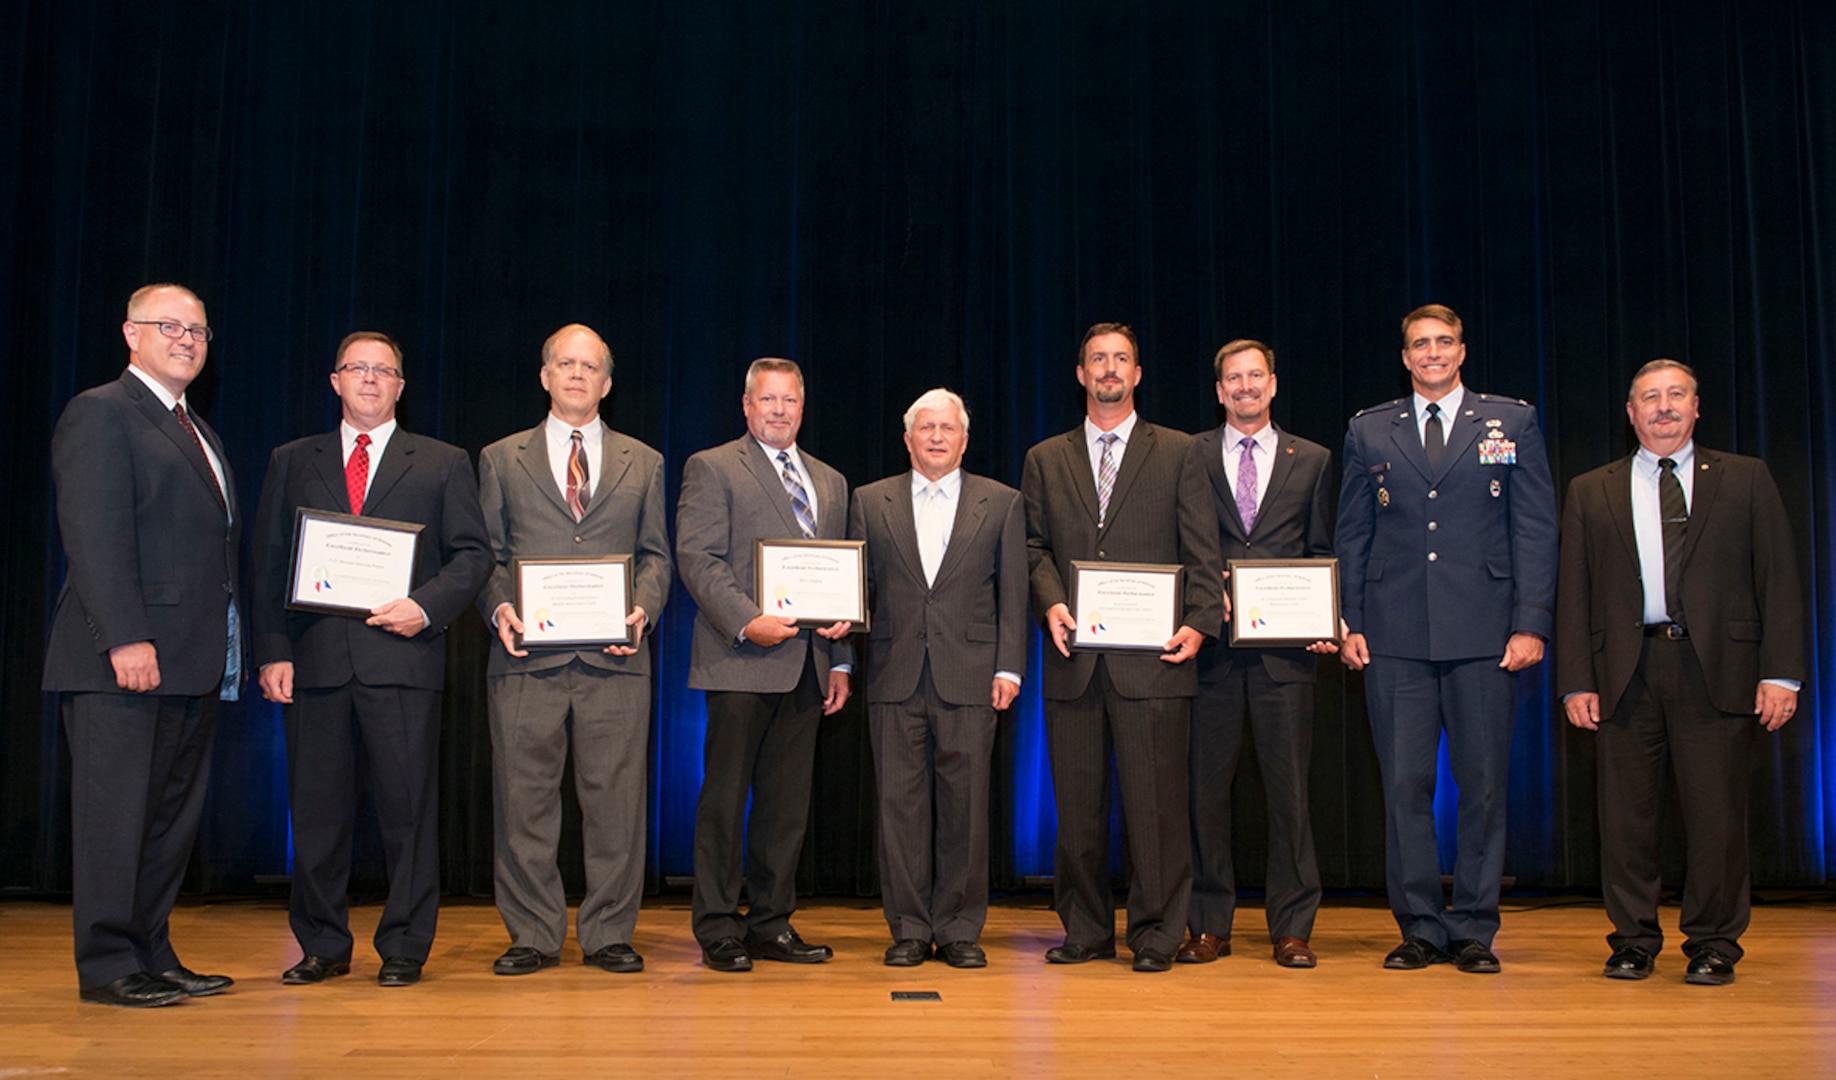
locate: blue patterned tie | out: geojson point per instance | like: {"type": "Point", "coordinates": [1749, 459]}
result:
{"type": "Point", "coordinates": [1106, 474]}
{"type": "Point", "coordinates": [799, 498]}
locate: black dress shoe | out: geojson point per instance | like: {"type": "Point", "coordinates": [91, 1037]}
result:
{"type": "Point", "coordinates": [1473, 957]}
{"type": "Point", "coordinates": [620, 959]}
{"type": "Point", "coordinates": [1414, 954]}
{"type": "Point", "coordinates": [522, 960]}
{"type": "Point", "coordinates": [1710, 967]}
{"type": "Point", "coordinates": [1630, 962]}
{"type": "Point", "coordinates": [726, 954]}
{"type": "Point", "coordinates": [196, 985]}
{"type": "Point", "coordinates": [399, 971]}
{"type": "Point", "coordinates": [962, 954]}
{"type": "Point", "coordinates": [907, 952]}
{"type": "Point", "coordinates": [136, 991]}
{"type": "Point", "coordinates": [1152, 960]}
{"type": "Point", "coordinates": [789, 948]}
{"type": "Point", "coordinates": [1079, 954]}
{"type": "Point", "coordinates": [314, 969]}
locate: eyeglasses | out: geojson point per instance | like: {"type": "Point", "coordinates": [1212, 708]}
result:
{"type": "Point", "coordinates": [177, 330]}
{"type": "Point", "coordinates": [381, 371]}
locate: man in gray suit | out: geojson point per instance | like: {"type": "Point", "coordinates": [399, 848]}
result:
{"type": "Point", "coordinates": [571, 486]}
{"type": "Point", "coordinates": [946, 564]}
{"type": "Point", "coordinates": [1118, 488]}
{"type": "Point", "coordinates": [768, 682]}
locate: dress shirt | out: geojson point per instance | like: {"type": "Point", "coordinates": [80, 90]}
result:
{"type": "Point", "coordinates": [1122, 432]}
{"type": "Point", "coordinates": [1450, 408]}
{"type": "Point", "coordinates": [561, 448]}
{"type": "Point", "coordinates": [949, 490]}
{"type": "Point", "coordinates": [803, 473]}
{"type": "Point", "coordinates": [1648, 521]}
{"type": "Point", "coordinates": [165, 398]}
{"type": "Point", "coordinates": [1266, 443]}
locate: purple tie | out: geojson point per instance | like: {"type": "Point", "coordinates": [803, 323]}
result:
{"type": "Point", "coordinates": [1246, 485]}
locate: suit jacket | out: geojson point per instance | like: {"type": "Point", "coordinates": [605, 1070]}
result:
{"type": "Point", "coordinates": [525, 515]}
{"type": "Point", "coordinates": [1447, 565]}
{"type": "Point", "coordinates": [731, 496]}
{"type": "Point", "coordinates": [150, 556]}
{"type": "Point", "coordinates": [1741, 599]}
{"type": "Point", "coordinates": [418, 480]}
{"type": "Point", "coordinates": [1294, 521]}
{"type": "Point", "coordinates": [1159, 512]}
{"type": "Point", "coordinates": [971, 622]}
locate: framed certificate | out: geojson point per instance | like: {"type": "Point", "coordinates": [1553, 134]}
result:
{"type": "Point", "coordinates": [1284, 602]}
{"type": "Point", "coordinates": [347, 565]}
{"type": "Point", "coordinates": [573, 602]}
{"type": "Point", "coordinates": [816, 582]}
{"type": "Point", "coordinates": [1132, 607]}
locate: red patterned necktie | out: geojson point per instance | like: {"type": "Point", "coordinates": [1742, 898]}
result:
{"type": "Point", "coordinates": [357, 474]}
{"type": "Point", "coordinates": [577, 486]}
{"type": "Point", "coordinates": [191, 429]}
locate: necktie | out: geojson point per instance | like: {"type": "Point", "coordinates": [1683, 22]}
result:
{"type": "Point", "coordinates": [192, 430]}
{"type": "Point", "coordinates": [1675, 512]}
{"type": "Point", "coordinates": [1434, 440]}
{"type": "Point", "coordinates": [577, 485]}
{"type": "Point", "coordinates": [799, 498]}
{"type": "Point", "coordinates": [1106, 474]}
{"type": "Point", "coordinates": [1246, 485]}
{"type": "Point", "coordinates": [930, 532]}
{"type": "Point", "coordinates": [357, 473]}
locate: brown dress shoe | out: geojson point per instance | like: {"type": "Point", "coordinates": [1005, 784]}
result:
{"type": "Point", "coordinates": [1293, 952]}
{"type": "Point", "coordinates": [1203, 949]}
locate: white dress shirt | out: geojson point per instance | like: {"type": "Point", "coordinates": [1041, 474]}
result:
{"type": "Point", "coordinates": [1265, 441]}
{"type": "Point", "coordinates": [1122, 432]}
{"type": "Point", "coordinates": [949, 495]}
{"type": "Point", "coordinates": [1450, 408]}
{"type": "Point", "coordinates": [165, 398]}
{"type": "Point", "coordinates": [379, 438]}
{"type": "Point", "coordinates": [561, 447]}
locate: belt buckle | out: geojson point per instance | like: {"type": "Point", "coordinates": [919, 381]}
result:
{"type": "Point", "coordinates": [1674, 632]}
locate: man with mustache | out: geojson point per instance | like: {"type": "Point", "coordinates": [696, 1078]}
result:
{"type": "Point", "coordinates": [1447, 556]}
{"type": "Point", "coordinates": [1680, 622]}
{"type": "Point", "coordinates": [372, 678]}
{"type": "Point", "coordinates": [1272, 494]}
{"type": "Point", "coordinates": [1119, 488]}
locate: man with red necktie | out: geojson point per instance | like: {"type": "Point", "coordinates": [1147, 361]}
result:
{"type": "Point", "coordinates": [373, 680]}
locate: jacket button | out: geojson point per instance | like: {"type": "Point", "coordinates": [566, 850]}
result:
{"type": "Point", "coordinates": [578, 540]}
{"type": "Point", "coordinates": [1433, 525]}
{"type": "Point", "coordinates": [1434, 556]}
{"type": "Point", "coordinates": [1434, 494]}
{"type": "Point", "coordinates": [1102, 554]}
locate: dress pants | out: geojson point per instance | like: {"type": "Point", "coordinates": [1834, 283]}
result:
{"type": "Point", "coordinates": [399, 728]}
{"type": "Point", "coordinates": [1233, 703]}
{"type": "Point", "coordinates": [1148, 738]}
{"type": "Point", "coordinates": [762, 745]}
{"type": "Point", "coordinates": [1666, 714]}
{"type": "Point", "coordinates": [1410, 703]}
{"type": "Point", "coordinates": [530, 715]}
{"type": "Point", "coordinates": [139, 766]}
{"type": "Point", "coordinates": [931, 763]}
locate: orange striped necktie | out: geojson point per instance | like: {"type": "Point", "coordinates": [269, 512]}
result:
{"type": "Point", "coordinates": [578, 489]}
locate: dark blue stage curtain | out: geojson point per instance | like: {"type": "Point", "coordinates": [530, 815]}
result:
{"type": "Point", "coordinates": [902, 196]}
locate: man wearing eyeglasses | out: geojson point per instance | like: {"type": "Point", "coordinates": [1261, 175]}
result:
{"type": "Point", "coordinates": [571, 487]}
{"type": "Point", "coordinates": [373, 676]}
{"type": "Point", "coordinates": [145, 640]}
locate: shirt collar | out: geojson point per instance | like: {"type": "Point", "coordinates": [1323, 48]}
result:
{"type": "Point", "coordinates": [1450, 405]}
{"type": "Point", "coordinates": [560, 431]}
{"type": "Point", "coordinates": [951, 483]}
{"type": "Point", "coordinates": [1122, 431]}
{"type": "Point", "coordinates": [379, 435]}
{"type": "Point", "coordinates": [1268, 438]}
{"type": "Point", "coordinates": [1684, 457]}
{"type": "Point", "coordinates": [772, 452]}
{"type": "Point", "coordinates": [159, 390]}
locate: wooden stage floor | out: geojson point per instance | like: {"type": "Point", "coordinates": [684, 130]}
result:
{"type": "Point", "coordinates": [1550, 1014]}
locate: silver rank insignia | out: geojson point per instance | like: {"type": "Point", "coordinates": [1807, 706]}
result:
{"type": "Point", "coordinates": [1497, 489]}
{"type": "Point", "coordinates": [1383, 496]}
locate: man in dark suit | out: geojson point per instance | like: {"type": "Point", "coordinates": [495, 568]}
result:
{"type": "Point", "coordinates": [946, 564]}
{"type": "Point", "coordinates": [1447, 554]}
{"type": "Point", "coordinates": [144, 642]}
{"type": "Point", "coordinates": [768, 682]}
{"type": "Point", "coordinates": [1272, 494]}
{"type": "Point", "coordinates": [571, 486]}
{"type": "Point", "coordinates": [1680, 620]}
{"type": "Point", "coordinates": [375, 678]}
{"type": "Point", "coordinates": [1121, 489]}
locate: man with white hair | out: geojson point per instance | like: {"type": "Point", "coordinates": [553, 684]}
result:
{"type": "Point", "coordinates": [946, 571]}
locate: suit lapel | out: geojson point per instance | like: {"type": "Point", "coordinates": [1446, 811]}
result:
{"type": "Point", "coordinates": [753, 459]}
{"type": "Point", "coordinates": [1461, 434]}
{"type": "Point", "coordinates": [1077, 461]}
{"type": "Point", "coordinates": [902, 526]}
{"type": "Point", "coordinates": [393, 466]}
{"type": "Point", "coordinates": [1211, 444]}
{"type": "Point", "coordinates": [1619, 506]}
{"type": "Point", "coordinates": [614, 462]}
{"type": "Point", "coordinates": [166, 422]}
{"type": "Point", "coordinates": [532, 456]}
{"type": "Point", "coordinates": [328, 465]}
{"type": "Point", "coordinates": [1279, 471]}
{"type": "Point", "coordinates": [1407, 439]}
{"type": "Point", "coordinates": [971, 508]}
{"type": "Point", "coordinates": [1134, 458]}
{"type": "Point", "coordinates": [1701, 499]}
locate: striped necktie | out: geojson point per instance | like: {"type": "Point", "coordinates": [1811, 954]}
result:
{"type": "Point", "coordinates": [1106, 474]}
{"type": "Point", "coordinates": [578, 489]}
{"type": "Point", "coordinates": [799, 498]}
